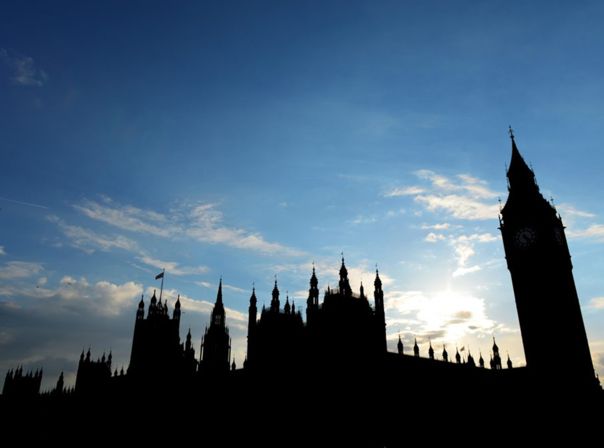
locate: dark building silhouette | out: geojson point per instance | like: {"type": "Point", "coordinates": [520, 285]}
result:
{"type": "Point", "coordinates": [333, 372]}
{"type": "Point", "coordinates": [156, 348]}
{"type": "Point", "coordinates": [93, 376]}
{"type": "Point", "coordinates": [18, 384]}
{"type": "Point", "coordinates": [216, 342]}
{"type": "Point", "coordinates": [541, 269]}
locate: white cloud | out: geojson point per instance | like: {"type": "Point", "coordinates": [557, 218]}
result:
{"type": "Point", "coordinates": [572, 211]}
{"type": "Point", "coordinates": [173, 267]}
{"type": "Point", "coordinates": [127, 217]}
{"type": "Point", "coordinates": [597, 303]}
{"type": "Point", "coordinates": [434, 237]}
{"type": "Point", "coordinates": [404, 191]}
{"type": "Point", "coordinates": [464, 197]}
{"type": "Point", "coordinates": [24, 70]}
{"type": "Point", "coordinates": [89, 241]}
{"type": "Point", "coordinates": [206, 226]}
{"type": "Point", "coordinates": [463, 270]}
{"type": "Point", "coordinates": [459, 206]}
{"type": "Point", "coordinates": [80, 296]}
{"type": "Point", "coordinates": [594, 231]}
{"type": "Point", "coordinates": [203, 223]}
{"type": "Point", "coordinates": [2, 251]}
{"type": "Point", "coordinates": [463, 246]}
{"type": "Point", "coordinates": [19, 269]}
{"type": "Point", "coordinates": [443, 226]}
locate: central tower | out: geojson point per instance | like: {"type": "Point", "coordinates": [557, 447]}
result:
{"type": "Point", "coordinates": [553, 333]}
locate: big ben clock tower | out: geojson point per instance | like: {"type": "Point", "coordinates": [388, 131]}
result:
{"type": "Point", "coordinates": [553, 333]}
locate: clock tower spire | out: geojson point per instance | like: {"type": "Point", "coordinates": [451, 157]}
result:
{"type": "Point", "coordinates": [544, 288]}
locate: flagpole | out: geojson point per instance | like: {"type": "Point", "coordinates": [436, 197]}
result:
{"type": "Point", "coordinates": [161, 288]}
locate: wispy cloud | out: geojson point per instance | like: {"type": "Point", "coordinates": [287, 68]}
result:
{"type": "Point", "coordinates": [27, 204]}
{"type": "Point", "coordinates": [462, 197]}
{"type": "Point", "coordinates": [201, 222]}
{"type": "Point", "coordinates": [128, 217]}
{"type": "Point", "coordinates": [594, 231]}
{"type": "Point", "coordinates": [173, 267]}
{"type": "Point", "coordinates": [443, 226]}
{"type": "Point", "coordinates": [2, 251]}
{"type": "Point", "coordinates": [89, 241]}
{"type": "Point", "coordinates": [404, 191]}
{"type": "Point", "coordinates": [464, 250]}
{"type": "Point", "coordinates": [566, 209]}
{"type": "Point", "coordinates": [206, 226]}
{"type": "Point", "coordinates": [19, 269]}
{"type": "Point", "coordinates": [23, 69]}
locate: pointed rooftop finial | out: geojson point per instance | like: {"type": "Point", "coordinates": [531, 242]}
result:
{"type": "Point", "coordinates": [219, 295]}
{"type": "Point", "coordinates": [511, 131]}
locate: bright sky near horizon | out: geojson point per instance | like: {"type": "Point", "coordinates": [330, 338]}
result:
{"type": "Point", "coordinates": [249, 139]}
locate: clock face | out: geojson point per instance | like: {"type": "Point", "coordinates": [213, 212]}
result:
{"type": "Point", "coordinates": [524, 238]}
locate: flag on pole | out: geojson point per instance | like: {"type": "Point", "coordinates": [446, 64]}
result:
{"type": "Point", "coordinates": [160, 275]}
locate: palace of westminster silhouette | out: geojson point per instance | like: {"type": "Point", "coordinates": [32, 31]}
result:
{"type": "Point", "coordinates": [335, 361]}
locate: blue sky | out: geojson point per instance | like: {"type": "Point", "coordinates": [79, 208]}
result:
{"type": "Point", "coordinates": [249, 139]}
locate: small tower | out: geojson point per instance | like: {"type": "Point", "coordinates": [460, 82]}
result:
{"type": "Point", "coordinates": [509, 362]}
{"type": "Point", "coordinates": [344, 283]}
{"type": "Point", "coordinates": [176, 313]}
{"type": "Point", "coordinates": [496, 364]}
{"type": "Point", "coordinates": [431, 351]}
{"type": "Point", "coordinates": [481, 361]}
{"type": "Point", "coordinates": [399, 346]}
{"type": "Point", "coordinates": [251, 327]}
{"type": "Point", "coordinates": [312, 304]}
{"type": "Point", "coordinates": [457, 356]}
{"type": "Point", "coordinates": [216, 342]}
{"type": "Point", "coordinates": [380, 315]}
{"type": "Point", "coordinates": [287, 308]}
{"type": "Point", "coordinates": [140, 313]}
{"type": "Point", "coordinates": [415, 348]}
{"type": "Point", "coordinates": [275, 305]}
{"type": "Point", "coordinates": [470, 361]}
{"type": "Point", "coordinates": [445, 354]}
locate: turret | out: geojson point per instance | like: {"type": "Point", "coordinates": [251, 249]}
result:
{"type": "Point", "coordinates": [380, 314]}
{"type": "Point", "coordinates": [275, 305]}
{"type": "Point", "coordinates": [431, 351]}
{"type": "Point", "coordinates": [140, 312]}
{"type": "Point", "coordinates": [399, 346]}
{"type": "Point", "coordinates": [415, 348]}
{"type": "Point", "coordinates": [445, 354]}
{"type": "Point", "coordinates": [176, 313]}
{"type": "Point", "coordinates": [312, 303]}
{"type": "Point", "coordinates": [344, 283]}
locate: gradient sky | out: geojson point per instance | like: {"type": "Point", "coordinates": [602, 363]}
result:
{"type": "Point", "coordinates": [249, 139]}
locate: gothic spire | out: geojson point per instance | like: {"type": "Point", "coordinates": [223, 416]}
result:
{"type": "Point", "coordinates": [219, 295]}
{"type": "Point", "coordinates": [520, 176]}
{"type": "Point", "coordinates": [415, 348]}
{"type": "Point", "coordinates": [275, 302]}
{"type": "Point", "coordinates": [399, 346]}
